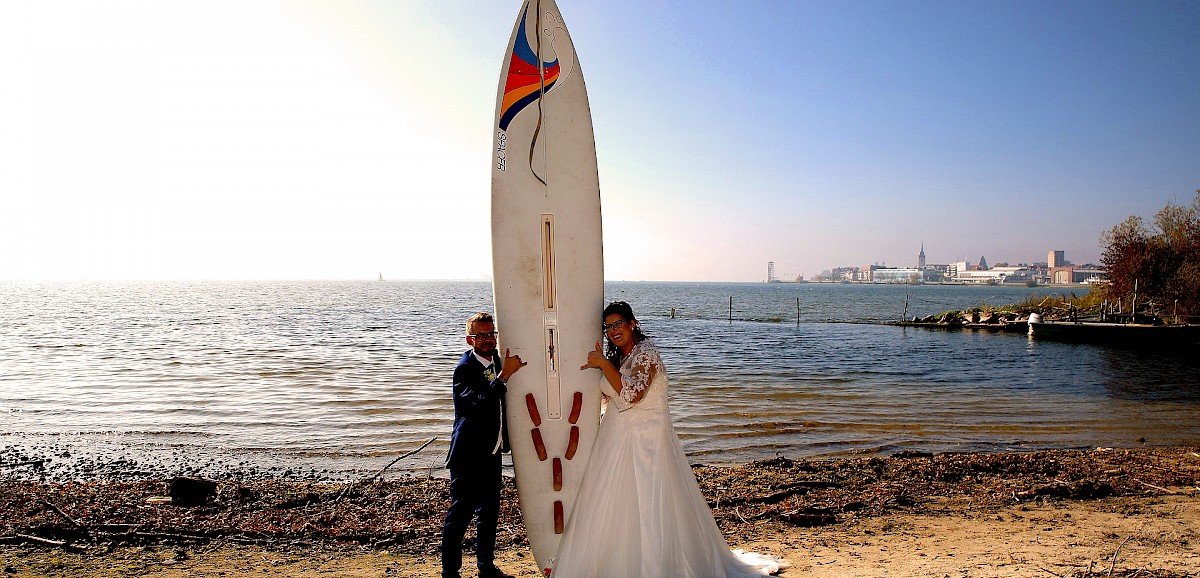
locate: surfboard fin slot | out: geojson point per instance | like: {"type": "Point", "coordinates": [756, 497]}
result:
{"type": "Point", "coordinates": [553, 395]}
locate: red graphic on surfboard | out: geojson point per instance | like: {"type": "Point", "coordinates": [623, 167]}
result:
{"type": "Point", "coordinates": [524, 83]}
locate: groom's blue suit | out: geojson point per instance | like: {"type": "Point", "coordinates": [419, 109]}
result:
{"type": "Point", "coordinates": [474, 461]}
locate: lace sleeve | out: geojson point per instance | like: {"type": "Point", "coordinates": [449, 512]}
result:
{"type": "Point", "coordinates": [637, 373]}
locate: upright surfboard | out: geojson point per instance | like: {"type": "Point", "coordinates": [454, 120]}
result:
{"type": "Point", "coordinates": [547, 267]}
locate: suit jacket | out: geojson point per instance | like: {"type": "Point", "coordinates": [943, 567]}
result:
{"type": "Point", "coordinates": [478, 411]}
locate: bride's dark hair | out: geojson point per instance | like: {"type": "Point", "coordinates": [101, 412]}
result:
{"type": "Point", "coordinates": [612, 352]}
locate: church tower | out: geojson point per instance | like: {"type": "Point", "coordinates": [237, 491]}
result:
{"type": "Point", "coordinates": [921, 257]}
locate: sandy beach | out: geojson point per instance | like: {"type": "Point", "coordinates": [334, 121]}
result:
{"type": "Point", "coordinates": [1102, 512]}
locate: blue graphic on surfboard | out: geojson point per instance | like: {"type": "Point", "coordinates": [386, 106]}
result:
{"type": "Point", "coordinates": [547, 267]}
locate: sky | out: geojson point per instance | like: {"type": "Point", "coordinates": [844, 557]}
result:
{"type": "Point", "coordinates": [301, 139]}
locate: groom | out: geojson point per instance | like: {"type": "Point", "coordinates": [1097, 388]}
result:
{"type": "Point", "coordinates": [479, 438]}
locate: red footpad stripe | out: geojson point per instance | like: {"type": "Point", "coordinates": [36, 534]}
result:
{"type": "Point", "coordinates": [531, 403]}
{"type": "Point", "coordinates": [538, 444]}
{"type": "Point", "coordinates": [574, 443]}
{"type": "Point", "coordinates": [576, 407]}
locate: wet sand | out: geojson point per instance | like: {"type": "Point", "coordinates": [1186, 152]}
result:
{"type": "Point", "coordinates": [1045, 513]}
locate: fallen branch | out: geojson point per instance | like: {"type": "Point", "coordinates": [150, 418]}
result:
{"type": "Point", "coordinates": [1114, 558]}
{"type": "Point", "coordinates": [64, 516]}
{"type": "Point", "coordinates": [48, 542]}
{"type": "Point", "coordinates": [385, 542]}
{"type": "Point", "coordinates": [1159, 488]}
{"type": "Point", "coordinates": [379, 473]}
{"type": "Point", "coordinates": [162, 536]}
{"type": "Point", "coordinates": [247, 540]}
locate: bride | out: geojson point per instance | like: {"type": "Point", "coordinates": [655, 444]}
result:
{"type": "Point", "coordinates": [639, 510]}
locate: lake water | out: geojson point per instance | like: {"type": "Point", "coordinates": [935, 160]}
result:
{"type": "Point", "coordinates": [347, 375]}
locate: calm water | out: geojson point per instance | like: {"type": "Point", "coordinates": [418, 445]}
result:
{"type": "Point", "coordinates": [350, 374]}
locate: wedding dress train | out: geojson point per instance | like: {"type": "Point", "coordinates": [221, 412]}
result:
{"type": "Point", "coordinates": [639, 511]}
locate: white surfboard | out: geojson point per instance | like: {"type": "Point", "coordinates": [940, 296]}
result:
{"type": "Point", "coordinates": [547, 267]}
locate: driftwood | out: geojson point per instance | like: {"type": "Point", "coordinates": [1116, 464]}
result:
{"type": "Point", "coordinates": [1114, 558]}
{"type": "Point", "coordinates": [1159, 488]}
{"type": "Point", "coordinates": [69, 519]}
{"type": "Point", "coordinates": [49, 542]}
{"type": "Point", "coordinates": [379, 473]}
{"type": "Point", "coordinates": [810, 517]}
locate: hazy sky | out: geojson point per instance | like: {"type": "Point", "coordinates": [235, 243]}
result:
{"type": "Point", "coordinates": [342, 139]}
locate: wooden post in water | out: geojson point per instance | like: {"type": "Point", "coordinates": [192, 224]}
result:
{"type": "Point", "coordinates": [798, 312]}
{"type": "Point", "coordinates": [1133, 304]}
{"type": "Point", "coordinates": [731, 309]}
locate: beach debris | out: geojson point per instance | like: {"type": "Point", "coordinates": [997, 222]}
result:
{"type": "Point", "coordinates": [64, 516]}
{"type": "Point", "coordinates": [1081, 490]}
{"type": "Point", "coordinates": [187, 491]}
{"type": "Point", "coordinates": [809, 517]}
{"type": "Point", "coordinates": [406, 513]}
{"type": "Point", "coordinates": [49, 542]}
{"type": "Point", "coordinates": [379, 473]}
{"type": "Point", "coordinates": [1113, 564]}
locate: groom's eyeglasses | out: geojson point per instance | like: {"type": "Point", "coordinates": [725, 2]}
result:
{"type": "Point", "coordinates": [615, 324]}
{"type": "Point", "coordinates": [482, 336]}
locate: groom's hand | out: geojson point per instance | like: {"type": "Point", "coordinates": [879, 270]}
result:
{"type": "Point", "coordinates": [512, 364]}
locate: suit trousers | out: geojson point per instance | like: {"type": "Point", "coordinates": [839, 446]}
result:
{"type": "Point", "coordinates": [474, 490]}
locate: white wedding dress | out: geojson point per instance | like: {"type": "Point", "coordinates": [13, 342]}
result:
{"type": "Point", "coordinates": [639, 510]}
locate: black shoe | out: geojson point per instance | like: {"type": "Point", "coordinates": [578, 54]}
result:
{"type": "Point", "coordinates": [493, 572]}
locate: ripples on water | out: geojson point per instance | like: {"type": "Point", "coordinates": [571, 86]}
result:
{"type": "Point", "coordinates": [357, 371]}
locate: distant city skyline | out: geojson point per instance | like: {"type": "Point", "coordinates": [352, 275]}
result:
{"type": "Point", "coordinates": [916, 263]}
{"type": "Point", "coordinates": [306, 139]}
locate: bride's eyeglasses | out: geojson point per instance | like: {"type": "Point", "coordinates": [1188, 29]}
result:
{"type": "Point", "coordinates": [615, 324]}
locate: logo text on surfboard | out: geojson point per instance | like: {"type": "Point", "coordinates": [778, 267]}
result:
{"type": "Point", "coordinates": [501, 149]}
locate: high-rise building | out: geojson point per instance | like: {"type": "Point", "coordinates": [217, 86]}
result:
{"type": "Point", "coordinates": [770, 271]}
{"type": "Point", "coordinates": [921, 257]}
{"type": "Point", "coordinates": [1056, 259]}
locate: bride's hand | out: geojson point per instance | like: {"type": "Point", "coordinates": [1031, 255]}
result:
{"type": "Point", "coordinates": [595, 358]}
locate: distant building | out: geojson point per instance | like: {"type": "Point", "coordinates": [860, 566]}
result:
{"type": "Point", "coordinates": [896, 275]}
{"type": "Point", "coordinates": [1071, 274]}
{"type": "Point", "coordinates": [771, 272]}
{"type": "Point", "coordinates": [844, 274]}
{"type": "Point", "coordinates": [921, 257]}
{"type": "Point", "coordinates": [936, 273]}
{"type": "Point", "coordinates": [983, 266]}
{"type": "Point", "coordinates": [1056, 259]}
{"type": "Point", "coordinates": [996, 275]}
